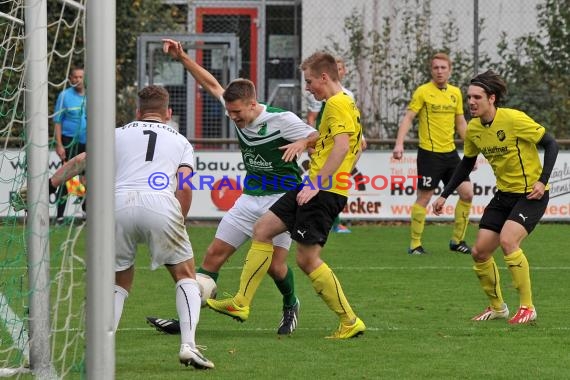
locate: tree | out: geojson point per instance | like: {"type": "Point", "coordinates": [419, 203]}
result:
{"type": "Point", "coordinates": [537, 69]}
{"type": "Point", "coordinates": [132, 18]}
{"type": "Point", "coordinates": [390, 61]}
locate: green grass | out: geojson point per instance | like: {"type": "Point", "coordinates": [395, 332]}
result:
{"type": "Point", "coordinates": [416, 308]}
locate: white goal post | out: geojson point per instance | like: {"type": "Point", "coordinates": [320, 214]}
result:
{"type": "Point", "coordinates": [47, 326]}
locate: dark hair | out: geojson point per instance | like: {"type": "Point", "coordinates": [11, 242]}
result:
{"type": "Point", "coordinates": [321, 62]}
{"type": "Point", "coordinates": [74, 69]}
{"type": "Point", "coordinates": [492, 83]}
{"type": "Point", "coordinates": [153, 99]}
{"type": "Point", "coordinates": [240, 89]}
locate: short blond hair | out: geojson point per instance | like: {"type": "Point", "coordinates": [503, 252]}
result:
{"type": "Point", "coordinates": [321, 62]}
{"type": "Point", "coordinates": [441, 55]}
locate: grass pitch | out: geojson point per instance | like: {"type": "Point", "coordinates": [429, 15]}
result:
{"type": "Point", "coordinates": [417, 310]}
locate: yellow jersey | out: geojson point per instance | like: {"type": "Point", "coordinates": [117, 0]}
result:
{"type": "Point", "coordinates": [509, 144]}
{"type": "Point", "coordinates": [436, 109]}
{"type": "Point", "coordinates": [339, 114]}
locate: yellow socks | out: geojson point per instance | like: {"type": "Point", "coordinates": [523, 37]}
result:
{"type": "Point", "coordinates": [462, 210]}
{"type": "Point", "coordinates": [519, 268]}
{"type": "Point", "coordinates": [328, 288]}
{"type": "Point", "coordinates": [490, 282]}
{"type": "Point", "coordinates": [417, 225]}
{"type": "Point", "coordinates": [255, 267]}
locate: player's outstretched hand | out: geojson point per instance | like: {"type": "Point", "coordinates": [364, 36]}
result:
{"type": "Point", "coordinates": [172, 48]}
{"type": "Point", "coordinates": [293, 150]}
{"type": "Point", "coordinates": [438, 205]}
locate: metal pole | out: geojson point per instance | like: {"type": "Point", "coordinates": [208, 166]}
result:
{"type": "Point", "coordinates": [37, 153]}
{"type": "Point", "coordinates": [100, 68]}
{"type": "Point", "coordinates": [475, 37]}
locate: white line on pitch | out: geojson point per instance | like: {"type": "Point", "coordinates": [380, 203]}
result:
{"type": "Point", "coordinates": [15, 326]}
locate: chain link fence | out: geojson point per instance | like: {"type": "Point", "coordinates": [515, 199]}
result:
{"type": "Point", "coordinates": [387, 44]}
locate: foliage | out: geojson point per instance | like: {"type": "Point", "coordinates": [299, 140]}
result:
{"type": "Point", "coordinates": [392, 59]}
{"type": "Point", "coordinates": [537, 70]}
{"type": "Point", "coordinates": [134, 18]}
{"type": "Point", "coordinates": [66, 45]}
{"type": "Point", "coordinates": [66, 49]}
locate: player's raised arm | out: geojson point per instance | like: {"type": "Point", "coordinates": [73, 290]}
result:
{"type": "Point", "coordinates": [202, 76]}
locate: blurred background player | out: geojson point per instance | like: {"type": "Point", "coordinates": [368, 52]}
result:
{"type": "Point", "coordinates": [439, 106]}
{"type": "Point", "coordinates": [275, 135]}
{"type": "Point", "coordinates": [308, 212]}
{"type": "Point", "coordinates": [70, 129]}
{"type": "Point", "coordinates": [509, 140]}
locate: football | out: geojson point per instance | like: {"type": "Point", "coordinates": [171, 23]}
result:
{"type": "Point", "coordinates": [208, 287]}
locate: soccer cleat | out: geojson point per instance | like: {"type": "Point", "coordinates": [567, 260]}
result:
{"type": "Point", "coordinates": [229, 307]}
{"type": "Point", "coordinates": [341, 229]}
{"type": "Point", "coordinates": [419, 250]}
{"type": "Point", "coordinates": [490, 314]}
{"type": "Point", "coordinates": [193, 356]}
{"type": "Point", "coordinates": [167, 326]}
{"type": "Point", "coordinates": [351, 331]}
{"type": "Point", "coordinates": [288, 323]}
{"type": "Point", "coordinates": [19, 199]}
{"type": "Point", "coordinates": [523, 315]}
{"type": "Point", "coordinates": [460, 247]}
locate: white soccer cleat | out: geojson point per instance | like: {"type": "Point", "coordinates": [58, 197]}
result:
{"type": "Point", "coordinates": [490, 314]}
{"type": "Point", "coordinates": [193, 356]}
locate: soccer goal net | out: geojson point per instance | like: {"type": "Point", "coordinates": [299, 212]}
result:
{"type": "Point", "coordinates": [62, 296]}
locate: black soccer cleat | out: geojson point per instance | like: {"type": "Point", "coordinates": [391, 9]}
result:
{"type": "Point", "coordinates": [288, 323]}
{"type": "Point", "coordinates": [167, 326]}
{"type": "Point", "coordinates": [460, 247]}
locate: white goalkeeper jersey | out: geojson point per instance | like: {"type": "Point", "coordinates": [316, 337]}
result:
{"type": "Point", "coordinates": [148, 155]}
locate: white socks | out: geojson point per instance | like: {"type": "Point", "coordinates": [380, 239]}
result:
{"type": "Point", "coordinates": [120, 297]}
{"type": "Point", "coordinates": [188, 305]}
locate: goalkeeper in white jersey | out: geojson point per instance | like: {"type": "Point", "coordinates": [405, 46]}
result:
{"type": "Point", "coordinates": [275, 135]}
{"type": "Point", "coordinates": [153, 165]}
{"type": "Point", "coordinates": [151, 204]}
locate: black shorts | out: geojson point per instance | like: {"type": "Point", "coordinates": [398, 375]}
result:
{"type": "Point", "coordinates": [515, 207]}
{"type": "Point", "coordinates": [434, 167]}
{"type": "Point", "coordinates": [71, 146]}
{"type": "Point", "coordinates": [312, 222]}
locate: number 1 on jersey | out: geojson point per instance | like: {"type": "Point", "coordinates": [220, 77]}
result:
{"type": "Point", "coordinates": [151, 144]}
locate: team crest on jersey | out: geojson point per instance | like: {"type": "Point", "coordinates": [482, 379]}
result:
{"type": "Point", "coordinates": [262, 129]}
{"type": "Point", "coordinates": [501, 135]}
{"type": "Point", "coordinates": [453, 99]}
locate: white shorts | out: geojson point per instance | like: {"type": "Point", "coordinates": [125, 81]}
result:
{"type": "Point", "coordinates": [236, 227]}
{"type": "Point", "coordinates": [154, 219]}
